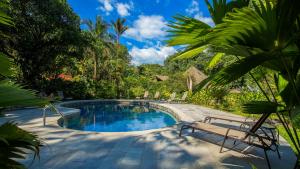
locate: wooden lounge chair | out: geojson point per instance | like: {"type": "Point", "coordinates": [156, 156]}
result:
{"type": "Point", "coordinates": [268, 129]}
{"type": "Point", "coordinates": [172, 97]}
{"type": "Point", "coordinates": [183, 98]}
{"type": "Point", "coordinates": [249, 137]}
{"type": "Point", "coordinates": [146, 95]}
{"type": "Point", "coordinates": [156, 96]}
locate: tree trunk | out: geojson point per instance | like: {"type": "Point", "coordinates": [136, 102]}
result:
{"type": "Point", "coordinates": [95, 67]}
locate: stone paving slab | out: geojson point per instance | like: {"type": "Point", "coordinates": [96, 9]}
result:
{"type": "Point", "coordinates": [153, 149]}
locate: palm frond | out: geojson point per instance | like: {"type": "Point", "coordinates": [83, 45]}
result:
{"type": "Point", "coordinates": [187, 31]}
{"type": "Point", "coordinates": [12, 94]}
{"type": "Point", "coordinates": [295, 116]}
{"type": "Point", "coordinates": [239, 68]}
{"type": "Point", "coordinates": [260, 107]}
{"type": "Point", "coordinates": [190, 53]}
{"type": "Point", "coordinates": [290, 94]}
{"type": "Point", "coordinates": [13, 141]}
{"type": "Point", "coordinates": [5, 19]}
{"type": "Point", "coordinates": [5, 65]}
{"type": "Point", "coordinates": [217, 10]}
{"type": "Point", "coordinates": [215, 60]}
{"type": "Point", "coordinates": [247, 27]}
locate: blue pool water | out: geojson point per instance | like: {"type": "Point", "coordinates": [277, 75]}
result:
{"type": "Point", "coordinates": [117, 117]}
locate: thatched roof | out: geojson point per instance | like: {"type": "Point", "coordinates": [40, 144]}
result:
{"type": "Point", "coordinates": [196, 75]}
{"type": "Point", "coordinates": [161, 77]}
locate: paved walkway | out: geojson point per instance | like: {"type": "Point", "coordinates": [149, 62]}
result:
{"type": "Point", "coordinates": [161, 149]}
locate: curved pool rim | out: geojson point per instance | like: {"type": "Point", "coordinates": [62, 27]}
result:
{"type": "Point", "coordinates": [68, 111]}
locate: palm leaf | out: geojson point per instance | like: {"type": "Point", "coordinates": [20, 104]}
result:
{"type": "Point", "coordinates": [191, 53]}
{"type": "Point", "coordinates": [187, 31]}
{"type": "Point", "coordinates": [12, 94]}
{"type": "Point", "coordinates": [215, 60]}
{"type": "Point", "coordinates": [260, 107]}
{"type": "Point", "coordinates": [246, 27]}
{"type": "Point", "coordinates": [12, 143]}
{"type": "Point", "coordinates": [5, 65]}
{"type": "Point", "coordinates": [239, 68]}
{"type": "Point", "coordinates": [295, 117]}
{"type": "Point", "coordinates": [5, 19]}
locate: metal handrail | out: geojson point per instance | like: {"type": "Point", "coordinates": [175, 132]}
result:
{"type": "Point", "coordinates": [49, 106]}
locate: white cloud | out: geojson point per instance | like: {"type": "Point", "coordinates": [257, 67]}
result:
{"type": "Point", "coordinates": [207, 20]}
{"type": "Point", "coordinates": [123, 8]}
{"type": "Point", "coordinates": [193, 8]}
{"type": "Point", "coordinates": [129, 43]}
{"type": "Point", "coordinates": [195, 12]}
{"type": "Point", "coordinates": [147, 27]}
{"type": "Point", "coordinates": [106, 6]}
{"type": "Point", "coordinates": [150, 55]}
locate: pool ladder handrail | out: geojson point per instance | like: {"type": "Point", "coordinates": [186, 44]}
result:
{"type": "Point", "coordinates": [49, 106]}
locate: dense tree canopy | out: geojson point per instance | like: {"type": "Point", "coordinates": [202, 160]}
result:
{"type": "Point", "coordinates": [43, 31]}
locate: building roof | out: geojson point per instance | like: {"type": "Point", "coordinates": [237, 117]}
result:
{"type": "Point", "coordinates": [197, 75]}
{"type": "Point", "coordinates": [161, 77]}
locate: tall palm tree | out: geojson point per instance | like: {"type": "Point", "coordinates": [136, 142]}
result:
{"type": "Point", "coordinates": [119, 28]}
{"type": "Point", "coordinates": [101, 44]}
{"type": "Point", "coordinates": [262, 36]}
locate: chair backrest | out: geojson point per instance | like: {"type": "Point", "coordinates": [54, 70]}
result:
{"type": "Point", "coordinates": [173, 95]}
{"type": "Point", "coordinates": [156, 96]}
{"type": "Point", "coordinates": [146, 94]}
{"type": "Point", "coordinates": [184, 96]}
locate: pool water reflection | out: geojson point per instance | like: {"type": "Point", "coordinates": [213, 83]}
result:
{"type": "Point", "coordinates": [116, 117]}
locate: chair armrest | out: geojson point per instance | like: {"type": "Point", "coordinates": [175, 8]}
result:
{"type": "Point", "coordinates": [209, 118]}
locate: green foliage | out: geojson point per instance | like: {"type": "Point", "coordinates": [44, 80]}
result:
{"type": "Point", "coordinates": [137, 91]}
{"type": "Point", "coordinates": [5, 19]}
{"type": "Point", "coordinates": [12, 94]}
{"type": "Point", "coordinates": [295, 117]}
{"type": "Point", "coordinates": [264, 37]}
{"type": "Point", "coordinates": [42, 32]}
{"type": "Point", "coordinates": [223, 99]}
{"type": "Point", "coordinates": [5, 65]}
{"type": "Point", "coordinates": [13, 142]}
{"type": "Point", "coordinates": [105, 90]}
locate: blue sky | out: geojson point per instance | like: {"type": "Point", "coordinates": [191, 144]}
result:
{"type": "Point", "coordinates": [147, 21]}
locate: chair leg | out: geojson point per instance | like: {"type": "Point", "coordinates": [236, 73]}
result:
{"type": "Point", "coordinates": [225, 137]}
{"type": "Point", "coordinates": [279, 156]}
{"type": "Point", "coordinates": [223, 144]}
{"type": "Point", "coordinates": [182, 128]}
{"type": "Point", "coordinates": [267, 158]}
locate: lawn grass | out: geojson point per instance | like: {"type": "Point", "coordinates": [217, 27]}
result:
{"type": "Point", "coordinates": [284, 134]}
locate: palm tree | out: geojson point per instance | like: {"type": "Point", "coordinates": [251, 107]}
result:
{"type": "Point", "coordinates": [101, 44]}
{"type": "Point", "coordinates": [262, 36]}
{"type": "Point", "coordinates": [119, 28]}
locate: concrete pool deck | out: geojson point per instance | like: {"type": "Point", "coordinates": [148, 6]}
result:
{"type": "Point", "coordinates": [160, 148]}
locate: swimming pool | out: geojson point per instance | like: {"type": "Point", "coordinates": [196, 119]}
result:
{"type": "Point", "coordinates": [116, 117]}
